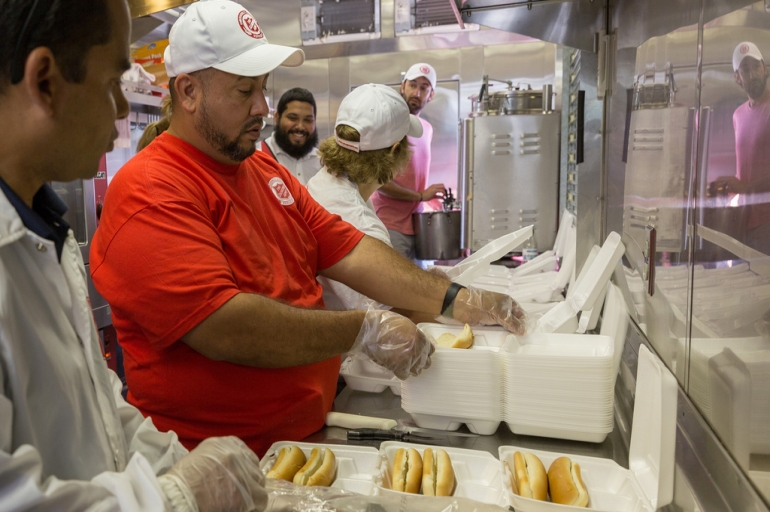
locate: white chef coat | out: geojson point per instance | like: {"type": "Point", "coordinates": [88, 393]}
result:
{"type": "Point", "coordinates": [68, 440]}
{"type": "Point", "coordinates": [341, 196]}
{"type": "Point", "coordinates": [303, 169]}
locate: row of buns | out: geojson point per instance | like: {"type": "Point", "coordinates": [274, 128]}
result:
{"type": "Point", "coordinates": [563, 481]}
{"type": "Point", "coordinates": [293, 466]}
{"type": "Point", "coordinates": [433, 472]}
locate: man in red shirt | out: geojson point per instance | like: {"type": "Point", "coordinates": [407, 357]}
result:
{"type": "Point", "coordinates": [208, 254]}
{"type": "Point", "coordinates": [752, 145]}
{"type": "Point", "coordinates": [396, 201]}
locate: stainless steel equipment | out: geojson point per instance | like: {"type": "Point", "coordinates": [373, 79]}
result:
{"type": "Point", "coordinates": [510, 172]}
{"type": "Point", "coordinates": [437, 235]}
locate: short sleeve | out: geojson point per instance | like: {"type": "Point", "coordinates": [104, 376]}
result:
{"type": "Point", "coordinates": [166, 270]}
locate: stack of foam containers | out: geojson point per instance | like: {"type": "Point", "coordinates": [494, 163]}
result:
{"type": "Point", "coordinates": [461, 385]}
{"type": "Point", "coordinates": [559, 385]}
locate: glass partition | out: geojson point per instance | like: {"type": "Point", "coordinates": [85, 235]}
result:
{"type": "Point", "coordinates": [729, 369]}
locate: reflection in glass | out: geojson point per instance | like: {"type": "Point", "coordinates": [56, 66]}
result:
{"type": "Point", "coordinates": [729, 359]}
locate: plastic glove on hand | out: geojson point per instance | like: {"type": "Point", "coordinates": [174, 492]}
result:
{"type": "Point", "coordinates": [223, 474]}
{"type": "Point", "coordinates": [394, 342]}
{"type": "Point", "coordinates": [481, 307]}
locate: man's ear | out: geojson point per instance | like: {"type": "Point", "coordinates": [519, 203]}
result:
{"type": "Point", "coordinates": [738, 78]}
{"type": "Point", "coordinates": [432, 93]}
{"type": "Point", "coordinates": [403, 86]}
{"type": "Point", "coordinates": [189, 90]}
{"type": "Point", "coordinates": [42, 80]}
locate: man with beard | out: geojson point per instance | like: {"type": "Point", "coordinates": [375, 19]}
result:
{"type": "Point", "coordinates": [752, 145]}
{"type": "Point", "coordinates": [396, 201]}
{"type": "Point", "coordinates": [293, 144]}
{"type": "Point", "coordinates": [208, 252]}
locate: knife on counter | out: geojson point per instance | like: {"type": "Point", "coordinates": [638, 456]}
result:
{"type": "Point", "coordinates": [387, 427]}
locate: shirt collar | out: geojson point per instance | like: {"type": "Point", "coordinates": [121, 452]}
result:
{"type": "Point", "coordinates": [45, 218]}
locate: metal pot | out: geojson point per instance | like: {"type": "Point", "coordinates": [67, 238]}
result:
{"type": "Point", "coordinates": [521, 102]}
{"type": "Point", "coordinates": [437, 235]}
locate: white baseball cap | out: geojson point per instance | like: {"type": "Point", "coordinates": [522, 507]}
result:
{"type": "Point", "coordinates": [223, 35]}
{"type": "Point", "coordinates": [422, 69]}
{"type": "Point", "coordinates": [743, 50]}
{"type": "Point", "coordinates": [379, 114]}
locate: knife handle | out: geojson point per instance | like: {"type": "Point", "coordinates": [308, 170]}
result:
{"type": "Point", "coordinates": [341, 419]}
{"type": "Point", "coordinates": [370, 434]}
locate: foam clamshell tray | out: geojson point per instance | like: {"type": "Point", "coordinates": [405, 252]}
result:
{"type": "Point", "coordinates": [367, 471]}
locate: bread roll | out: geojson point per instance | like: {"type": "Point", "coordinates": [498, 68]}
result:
{"type": "Point", "coordinates": [566, 484]}
{"type": "Point", "coordinates": [319, 470]}
{"type": "Point", "coordinates": [438, 476]}
{"type": "Point", "coordinates": [529, 476]}
{"type": "Point", "coordinates": [290, 460]}
{"type": "Point", "coordinates": [407, 471]}
{"type": "Point", "coordinates": [462, 340]}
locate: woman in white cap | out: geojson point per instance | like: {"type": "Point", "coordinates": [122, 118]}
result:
{"type": "Point", "coordinates": [368, 150]}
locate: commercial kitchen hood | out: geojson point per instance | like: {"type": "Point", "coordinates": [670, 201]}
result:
{"type": "Point", "coordinates": [145, 7]}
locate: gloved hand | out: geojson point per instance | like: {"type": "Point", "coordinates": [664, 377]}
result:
{"type": "Point", "coordinates": [394, 342]}
{"type": "Point", "coordinates": [221, 475]}
{"type": "Point", "coordinates": [480, 307]}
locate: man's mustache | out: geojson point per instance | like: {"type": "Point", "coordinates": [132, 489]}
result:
{"type": "Point", "coordinates": [257, 121]}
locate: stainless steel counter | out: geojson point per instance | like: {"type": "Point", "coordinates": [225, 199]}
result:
{"type": "Point", "coordinates": [388, 405]}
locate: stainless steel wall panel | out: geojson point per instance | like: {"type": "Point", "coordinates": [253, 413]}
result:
{"type": "Point", "coordinates": [589, 199]}
{"type": "Point", "coordinates": [515, 177]}
{"type": "Point", "coordinates": [279, 19]}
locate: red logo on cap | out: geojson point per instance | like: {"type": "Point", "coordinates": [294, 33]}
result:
{"type": "Point", "coordinates": [281, 191]}
{"type": "Point", "coordinates": [744, 49]}
{"type": "Point", "coordinates": [425, 69]}
{"type": "Point", "coordinates": [249, 25]}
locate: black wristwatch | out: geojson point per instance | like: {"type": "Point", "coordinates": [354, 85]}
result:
{"type": "Point", "coordinates": [449, 299]}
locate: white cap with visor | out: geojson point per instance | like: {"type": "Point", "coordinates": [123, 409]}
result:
{"type": "Point", "coordinates": [379, 114]}
{"type": "Point", "coordinates": [422, 69]}
{"type": "Point", "coordinates": [223, 35]}
{"type": "Point", "coordinates": [743, 50]}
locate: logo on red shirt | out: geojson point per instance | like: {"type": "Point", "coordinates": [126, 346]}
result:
{"type": "Point", "coordinates": [249, 25]}
{"type": "Point", "coordinates": [744, 49]}
{"type": "Point", "coordinates": [281, 191]}
{"type": "Point", "coordinates": [425, 69]}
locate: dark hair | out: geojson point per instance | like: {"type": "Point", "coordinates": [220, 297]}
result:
{"type": "Point", "coordinates": [69, 28]}
{"type": "Point", "coordinates": [296, 94]}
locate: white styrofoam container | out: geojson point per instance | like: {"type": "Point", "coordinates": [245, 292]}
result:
{"type": "Point", "coordinates": [648, 484]}
{"type": "Point", "coordinates": [588, 289]}
{"type": "Point", "coordinates": [362, 375]}
{"type": "Point", "coordinates": [477, 264]}
{"type": "Point", "coordinates": [567, 230]}
{"type": "Point", "coordinates": [615, 323]}
{"type": "Point", "coordinates": [357, 466]}
{"type": "Point", "coordinates": [560, 319]}
{"type": "Point", "coordinates": [477, 473]}
{"type": "Point", "coordinates": [559, 346]}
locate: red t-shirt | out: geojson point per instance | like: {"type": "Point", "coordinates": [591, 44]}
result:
{"type": "Point", "coordinates": [180, 235]}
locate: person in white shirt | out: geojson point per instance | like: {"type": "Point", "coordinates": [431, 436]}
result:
{"type": "Point", "coordinates": [68, 440]}
{"type": "Point", "coordinates": [368, 150]}
{"type": "Point", "coordinates": [293, 143]}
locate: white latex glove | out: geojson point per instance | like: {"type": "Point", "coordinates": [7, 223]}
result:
{"type": "Point", "coordinates": [481, 307]}
{"type": "Point", "coordinates": [394, 342]}
{"type": "Point", "coordinates": [221, 475]}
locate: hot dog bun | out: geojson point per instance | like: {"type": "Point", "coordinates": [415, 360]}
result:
{"type": "Point", "coordinates": [566, 484]}
{"type": "Point", "coordinates": [290, 460]}
{"type": "Point", "coordinates": [407, 471]}
{"type": "Point", "coordinates": [438, 476]}
{"type": "Point", "coordinates": [462, 340]}
{"type": "Point", "coordinates": [319, 470]}
{"type": "Point", "coordinates": [530, 477]}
